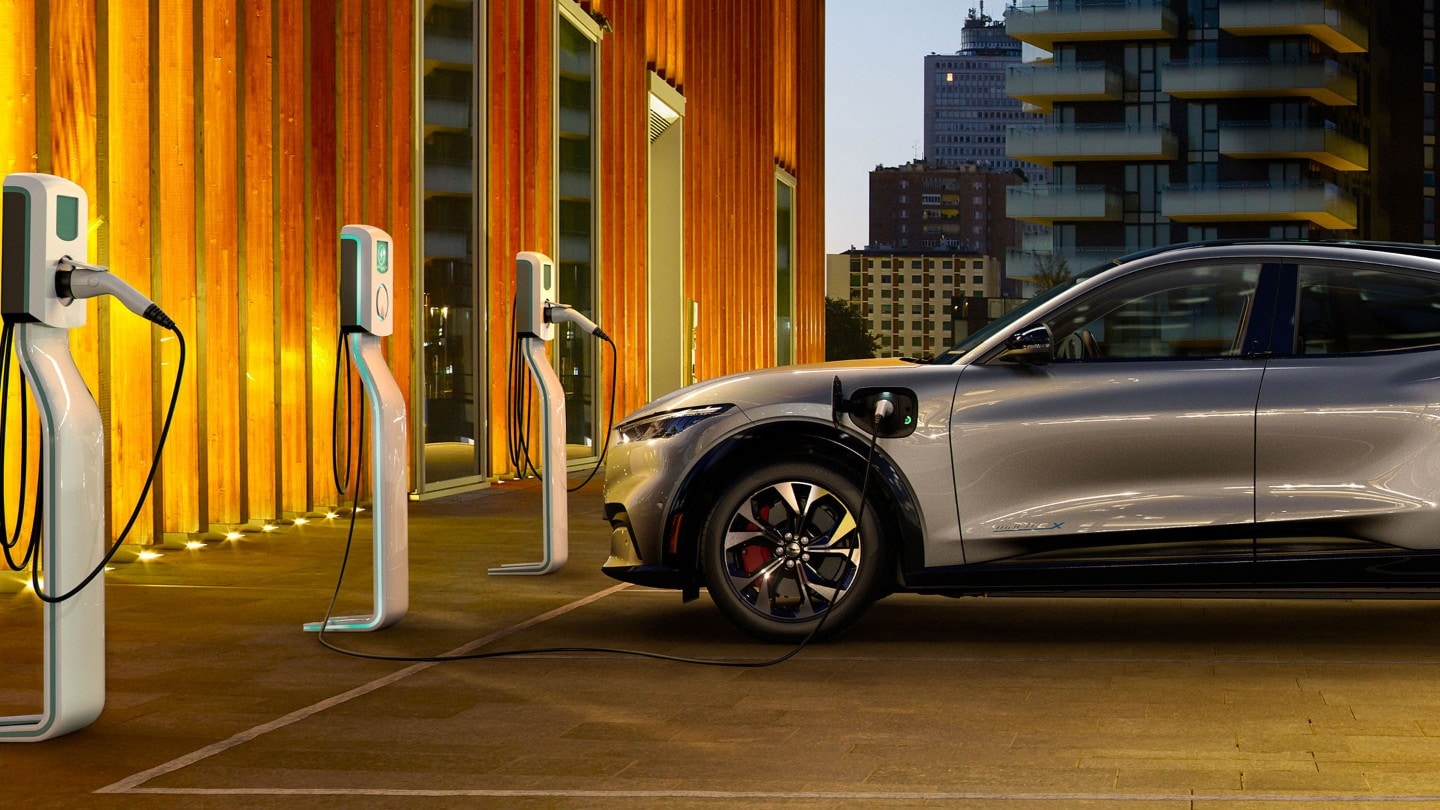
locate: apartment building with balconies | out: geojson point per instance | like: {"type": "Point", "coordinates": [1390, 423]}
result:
{"type": "Point", "coordinates": [1179, 120]}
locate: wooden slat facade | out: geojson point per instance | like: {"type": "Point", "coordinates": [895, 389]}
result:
{"type": "Point", "coordinates": [223, 143]}
{"type": "Point", "coordinates": [752, 73]}
{"type": "Point", "coordinates": [211, 137]}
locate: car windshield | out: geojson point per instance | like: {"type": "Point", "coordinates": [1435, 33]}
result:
{"type": "Point", "coordinates": [1005, 322]}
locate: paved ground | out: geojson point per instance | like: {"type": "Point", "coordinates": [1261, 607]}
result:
{"type": "Point", "coordinates": [216, 699]}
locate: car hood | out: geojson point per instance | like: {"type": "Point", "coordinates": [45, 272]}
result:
{"type": "Point", "coordinates": [770, 386]}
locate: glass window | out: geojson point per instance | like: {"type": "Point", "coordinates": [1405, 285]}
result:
{"type": "Point", "coordinates": [575, 351]}
{"type": "Point", "coordinates": [451, 426]}
{"type": "Point", "coordinates": [784, 271]}
{"type": "Point", "coordinates": [1345, 310]}
{"type": "Point", "coordinates": [1188, 311]}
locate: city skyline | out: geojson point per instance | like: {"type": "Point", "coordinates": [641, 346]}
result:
{"type": "Point", "coordinates": [874, 97]}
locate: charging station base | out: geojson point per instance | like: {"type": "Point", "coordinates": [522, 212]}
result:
{"type": "Point", "coordinates": [388, 451]}
{"type": "Point", "coordinates": [73, 514]}
{"type": "Point", "coordinates": [556, 528]}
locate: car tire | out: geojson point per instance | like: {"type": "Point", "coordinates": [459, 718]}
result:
{"type": "Point", "coordinates": [783, 556]}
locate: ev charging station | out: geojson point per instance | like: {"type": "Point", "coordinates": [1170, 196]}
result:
{"type": "Point", "coordinates": [367, 315]}
{"type": "Point", "coordinates": [535, 293]}
{"type": "Point", "coordinates": [46, 221]}
{"type": "Point", "coordinates": [537, 312]}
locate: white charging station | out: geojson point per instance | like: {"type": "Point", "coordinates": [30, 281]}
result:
{"type": "Point", "coordinates": [366, 315]}
{"type": "Point", "coordinates": [535, 298]}
{"type": "Point", "coordinates": [45, 219]}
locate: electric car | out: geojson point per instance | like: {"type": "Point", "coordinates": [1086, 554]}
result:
{"type": "Point", "coordinates": [1223, 418]}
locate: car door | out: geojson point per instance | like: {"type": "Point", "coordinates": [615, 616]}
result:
{"type": "Point", "coordinates": [1348, 423]}
{"type": "Point", "coordinates": [1137, 441]}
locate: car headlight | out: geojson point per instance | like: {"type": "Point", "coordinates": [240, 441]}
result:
{"type": "Point", "coordinates": [667, 424]}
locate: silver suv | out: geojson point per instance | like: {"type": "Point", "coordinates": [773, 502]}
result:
{"type": "Point", "coordinates": [1217, 419]}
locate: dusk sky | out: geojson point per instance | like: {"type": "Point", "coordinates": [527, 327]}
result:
{"type": "Point", "coordinates": [874, 68]}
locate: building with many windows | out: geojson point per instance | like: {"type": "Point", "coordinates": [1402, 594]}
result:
{"type": "Point", "coordinates": [967, 109]}
{"type": "Point", "coordinates": [1177, 120]}
{"type": "Point", "coordinates": [916, 302]}
{"type": "Point", "coordinates": [954, 208]}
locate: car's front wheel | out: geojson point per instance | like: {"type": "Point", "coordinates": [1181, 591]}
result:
{"type": "Point", "coordinates": [787, 548]}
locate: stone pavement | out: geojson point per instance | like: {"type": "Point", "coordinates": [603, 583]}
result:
{"type": "Point", "coordinates": [217, 699]}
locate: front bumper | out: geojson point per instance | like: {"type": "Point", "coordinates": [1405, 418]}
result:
{"type": "Point", "coordinates": [626, 565]}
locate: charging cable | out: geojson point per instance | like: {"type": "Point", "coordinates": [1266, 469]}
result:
{"type": "Point", "coordinates": [78, 280]}
{"type": "Point", "coordinates": [342, 349]}
{"type": "Point", "coordinates": [883, 408]}
{"type": "Point", "coordinates": [521, 393]}
{"type": "Point", "coordinates": [9, 541]}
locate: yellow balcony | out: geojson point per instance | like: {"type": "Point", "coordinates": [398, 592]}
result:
{"type": "Point", "coordinates": [1324, 204]}
{"type": "Point", "coordinates": [1046, 144]}
{"type": "Point", "coordinates": [1323, 80]}
{"type": "Point", "coordinates": [1043, 84]}
{"type": "Point", "coordinates": [1043, 24]}
{"type": "Point", "coordinates": [1321, 145]}
{"type": "Point", "coordinates": [1051, 203]}
{"type": "Point", "coordinates": [1332, 22]}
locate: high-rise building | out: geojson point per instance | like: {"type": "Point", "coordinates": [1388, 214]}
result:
{"type": "Point", "coordinates": [966, 107]}
{"type": "Point", "coordinates": [1177, 120]}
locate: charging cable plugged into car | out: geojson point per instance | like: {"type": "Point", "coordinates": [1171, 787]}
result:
{"type": "Point", "coordinates": [883, 412]}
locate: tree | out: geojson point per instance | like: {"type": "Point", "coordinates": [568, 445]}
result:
{"type": "Point", "coordinates": [847, 335]}
{"type": "Point", "coordinates": [1051, 270]}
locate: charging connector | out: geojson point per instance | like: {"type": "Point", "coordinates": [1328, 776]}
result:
{"type": "Point", "coordinates": [78, 280]}
{"type": "Point", "coordinates": [564, 313]}
{"type": "Point", "coordinates": [883, 406]}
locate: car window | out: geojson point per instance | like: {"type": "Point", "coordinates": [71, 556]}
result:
{"type": "Point", "coordinates": [1345, 310]}
{"type": "Point", "coordinates": [1197, 310]}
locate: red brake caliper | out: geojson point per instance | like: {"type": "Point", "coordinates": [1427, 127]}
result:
{"type": "Point", "coordinates": [754, 557]}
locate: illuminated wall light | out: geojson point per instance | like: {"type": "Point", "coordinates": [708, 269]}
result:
{"type": "Point", "coordinates": [301, 521]}
{"type": "Point", "coordinates": [146, 556]}
{"type": "Point", "coordinates": [331, 515]}
{"type": "Point", "coordinates": [269, 527]}
{"type": "Point", "coordinates": [233, 535]}
{"type": "Point", "coordinates": [194, 545]}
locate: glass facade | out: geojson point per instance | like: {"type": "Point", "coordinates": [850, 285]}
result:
{"type": "Point", "coordinates": [450, 419]}
{"type": "Point", "coordinates": [784, 273]}
{"type": "Point", "coordinates": [575, 352]}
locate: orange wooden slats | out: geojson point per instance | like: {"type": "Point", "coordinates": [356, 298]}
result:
{"type": "Point", "coordinates": [291, 441]}
{"type": "Point", "coordinates": [128, 395]}
{"type": "Point", "coordinates": [333, 197]}
{"type": "Point", "coordinates": [219, 195]}
{"type": "Point", "coordinates": [396, 190]}
{"type": "Point", "coordinates": [71, 120]}
{"type": "Point", "coordinates": [520, 200]}
{"type": "Point", "coordinates": [206, 135]}
{"type": "Point", "coordinates": [18, 152]}
{"type": "Point", "coordinates": [257, 268]}
{"type": "Point", "coordinates": [175, 258]}
{"type": "Point", "coordinates": [809, 156]}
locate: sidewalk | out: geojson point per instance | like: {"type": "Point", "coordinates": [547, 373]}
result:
{"type": "Point", "coordinates": [217, 699]}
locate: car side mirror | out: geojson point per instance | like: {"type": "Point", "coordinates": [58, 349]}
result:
{"type": "Point", "coordinates": [1031, 347]}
